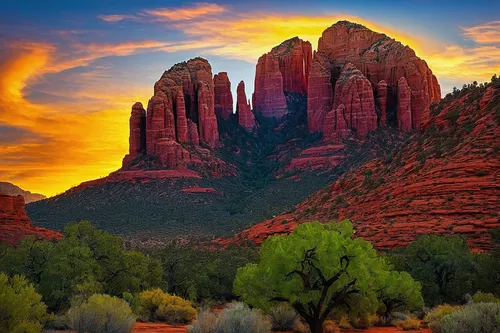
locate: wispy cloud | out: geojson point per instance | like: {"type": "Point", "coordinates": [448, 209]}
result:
{"type": "Point", "coordinates": [186, 13]}
{"type": "Point", "coordinates": [488, 33]}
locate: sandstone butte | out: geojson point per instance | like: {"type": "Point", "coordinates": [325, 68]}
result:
{"type": "Point", "coordinates": [444, 181]}
{"type": "Point", "coordinates": [245, 116]}
{"type": "Point", "coordinates": [285, 69]}
{"type": "Point", "coordinates": [15, 224]}
{"type": "Point", "coordinates": [11, 189]}
{"type": "Point", "coordinates": [382, 62]}
{"type": "Point", "coordinates": [180, 118]}
{"type": "Point", "coordinates": [223, 98]}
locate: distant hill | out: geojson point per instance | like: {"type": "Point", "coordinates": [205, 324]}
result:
{"type": "Point", "coordinates": [11, 189]}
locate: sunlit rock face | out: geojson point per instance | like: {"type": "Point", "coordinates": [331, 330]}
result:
{"type": "Point", "coordinates": [382, 61]}
{"type": "Point", "coordinates": [284, 69]}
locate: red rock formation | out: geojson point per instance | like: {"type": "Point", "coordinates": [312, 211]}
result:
{"type": "Point", "coordinates": [208, 130]}
{"type": "Point", "coordinates": [15, 224]}
{"type": "Point", "coordinates": [444, 183]}
{"type": "Point", "coordinates": [137, 138]}
{"type": "Point", "coordinates": [223, 98]}
{"type": "Point", "coordinates": [354, 91]}
{"type": "Point", "coordinates": [320, 95]}
{"type": "Point", "coordinates": [245, 115]}
{"type": "Point", "coordinates": [194, 77]}
{"type": "Point", "coordinates": [378, 57]}
{"type": "Point", "coordinates": [179, 117]}
{"type": "Point", "coordinates": [382, 102]}
{"type": "Point", "coordinates": [181, 120]}
{"type": "Point", "coordinates": [336, 127]}
{"type": "Point", "coordinates": [284, 69]}
{"type": "Point", "coordinates": [404, 112]}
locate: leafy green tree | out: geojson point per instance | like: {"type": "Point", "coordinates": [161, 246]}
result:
{"type": "Point", "coordinates": [316, 269]}
{"type": "Point", "coordinates": [84, 262]}
{"type": "Point", "coordinates": [398, 291]}
{"type": "Point", "coordinates": [443, 265]}
{"type": "Point", "coordinates": [21, 307]}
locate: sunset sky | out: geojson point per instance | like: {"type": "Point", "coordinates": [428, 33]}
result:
{"type": "Point", "coordinates": [71, 70]}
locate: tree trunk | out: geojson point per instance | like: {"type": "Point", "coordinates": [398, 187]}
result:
{"type": "Point", "coordinates": [315, 325]}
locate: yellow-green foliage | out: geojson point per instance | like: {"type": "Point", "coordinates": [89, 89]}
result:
{"type": "Point", "coordinates": [481, 297]}
{"type": "Point", "coordinates": [102, 314]}
{"type": "Point", "coordinates": [434, 316]}
{"type": "Point", "coordinates": [21, 307]}
{"type": "Point", "coordinates": [408, 324]}
{"type": "Point", "coordinates": [365, 321]}
{"type": "Point", "coordinates": [157, 305]}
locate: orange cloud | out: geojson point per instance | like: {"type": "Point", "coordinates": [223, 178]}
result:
{"type": "Point", "coordinates": [72, 145]}
{"type": "Point", "coordinates": [488, 33]}
{"type": "Point", "coordinates": [115, 18]}
{"type": "Point", "coordinates": [185, 13]}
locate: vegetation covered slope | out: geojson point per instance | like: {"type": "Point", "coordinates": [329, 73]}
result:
{"type": "Point", "coordinates": [444, 180]}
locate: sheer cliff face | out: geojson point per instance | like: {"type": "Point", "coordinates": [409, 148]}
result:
{"type": "Point", "coordinates": [223, 96]}
{"type": "Point", "coordinates": [383, 62]}
{"type": "Point", "coordinates": [284, 69]}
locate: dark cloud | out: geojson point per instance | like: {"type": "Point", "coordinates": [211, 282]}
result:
{"type": "Point", "coordinates": [15, 135]}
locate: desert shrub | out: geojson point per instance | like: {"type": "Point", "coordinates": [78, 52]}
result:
{"type": "Point", "coordinates": [239, 318]}
{"type": "Point", "coordinates": [329, 326]}
{"type": "Point", "coordinates": [399, 316]}
{"type": "Point", "coordinates": [433, 317]}
{"type": "Point", "coordinates": [21, 307]}
{"type": "Point", "coordinates": [157, 305]}
{"type": "Point", "coordinates": [473, 318]}
{"type": "Point", "coordinates": [408, 324]}
{"type": "Point", "coordinates": [283, 317]}
{"type": "Point", "coordinates": [481, 297]}
{"type": "Point", "coordinates": [205, 324]}
{"type": "Point", "coordinates": [102, 314]}
{"type": "Point", "coordinates": [365, 321]}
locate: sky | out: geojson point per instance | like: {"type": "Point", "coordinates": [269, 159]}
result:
{"type": "Point", "coordinates": [71, 70]}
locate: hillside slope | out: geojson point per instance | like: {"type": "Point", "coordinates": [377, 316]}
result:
{"type": "Point", "coordinates": [445, 180]}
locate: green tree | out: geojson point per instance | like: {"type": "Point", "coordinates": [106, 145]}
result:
{"type": "Point", "coordinates": [316, 269]}
{"type": "Point", "coordinates": [398, 291]}
{"type": "Point", "coordinates": [443, 265]}
{"type": "Point", "coordinates": [21, 307]}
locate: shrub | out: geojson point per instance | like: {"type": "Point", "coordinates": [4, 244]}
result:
{"type": "Point", "coordinates": [481, 297]}
{"type": "Point", "coordinates": [365, 321]}
{"type": "Point", "coordinates": [283, 318]}
{"type": "Point", "coordinates": [157, 305]}
{"type": "Point", "coordinates": [473, 318]}
{"type": "Point", "coordinates": [302, 328]}
{"type": "Point", "coordinates": [329, 326]}
{"type": "Point", "coordinates": [238, 318]}
{"type": "Point", "coordinates": [21, 307]}
{"type": "Point", "coordinates": [433, 318]}
{"type": "Point", "coordinates": [102, 314]}
{"type": "Point", "coordinates": [408, 324]}
{"type": "Point", "coordinates": [205, 324]}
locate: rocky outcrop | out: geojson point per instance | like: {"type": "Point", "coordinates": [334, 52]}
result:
{"type": "Point", "coordinates": [180, 117]}
{"type": "Point", "coordinates": [15, 224]}
{"type": "Point", "coordinates": [11, 189]}
{"type": "Point", "coordinates": [354, 91]}
{"type": "Point", "coordinates": [243, 110]}
{"type": "Point", "coordinates": [404, 106]}
{"type": "Point", "coordinates": [382, 60]}
{"type": "Point", "coordinates": [284, 69]}
{"type": "Point", "coordinates": [336, 127]}
{"type": "Point", "coordinates": [444, 181]}
{"type": "Point", "coordinates": [223, 98]}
